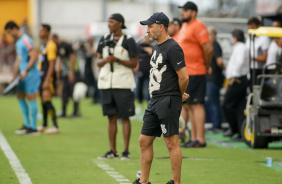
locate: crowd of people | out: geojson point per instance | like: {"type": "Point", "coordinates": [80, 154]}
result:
{"type": "Point", "coordinates": [160, 65]}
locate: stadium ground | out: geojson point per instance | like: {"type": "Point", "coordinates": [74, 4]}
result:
{"type": "Point", "coordinates": [70, 157]}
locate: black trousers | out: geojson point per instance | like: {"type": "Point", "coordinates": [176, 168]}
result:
{"type": "Point", "coordinates": [234, 104]}
{"type": "Point", "coordinates": [143, 82]}
{"type": "Point", "coordinates": [67, 92]}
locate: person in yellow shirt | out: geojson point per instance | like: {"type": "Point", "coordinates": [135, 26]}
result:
{"type": "Point", "coordinates": [47, 59]}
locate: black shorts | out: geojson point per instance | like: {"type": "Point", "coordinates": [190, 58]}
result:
{"type": "Point", "coordinates": [118, 101]}
{"type": "Point", "coordinates": [196, 89]}
{"type": "Point", "coordinates": [162, 116]}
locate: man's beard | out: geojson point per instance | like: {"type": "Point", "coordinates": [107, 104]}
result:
{"type": "Point", "coordinates": [188, 19]}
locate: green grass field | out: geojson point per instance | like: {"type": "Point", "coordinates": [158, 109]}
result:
{"type": "Point", "coordinates": [67, 158]}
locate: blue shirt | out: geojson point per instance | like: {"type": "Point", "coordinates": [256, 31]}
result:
{"type": "Point", "coordinates": [23, 45]}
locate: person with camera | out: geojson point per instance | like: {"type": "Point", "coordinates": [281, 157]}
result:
{"type": "Point", "coordinates": [116, 58]}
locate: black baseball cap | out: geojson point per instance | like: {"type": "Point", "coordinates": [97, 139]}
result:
{"type": "Point", "coordinates": [189, 6]}
{"type": "Point", "coordinates": [118, 17]}
{"type": "Point", "coordinates": [158, 18]}
{"type": "Point", "coordinates": [176, 21]}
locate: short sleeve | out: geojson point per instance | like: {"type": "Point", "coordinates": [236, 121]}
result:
{"type": "Point", "coordinates": [201, 33]}
{"type": "Point", "coordinates": [28, 43]}
{"type": "Point", "coordinates": [176, 57]}
{"type": "Point", "coordinates": [51, 52]}
{"type": "Point", "coordinates": [217, 50]}
{"type": "Point", "coordinates": [131, 47]}
{"type": "Point", "coordinates": [265, 43]}
{"type": "Point", "coordinates": [100, 45]}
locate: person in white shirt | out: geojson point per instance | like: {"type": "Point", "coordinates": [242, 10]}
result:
{"type": "Point", "coordinates": [235, 97]}
{"type": "Point", "coordinates": [274, 50]}
{"type": "Point", "coordinates": [258, 56]}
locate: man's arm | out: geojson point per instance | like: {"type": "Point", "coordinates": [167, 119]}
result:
{"type": "Point", "coordinates": [208, 52]}
{"type": "Point", "coordinates": [183, 81]}
{"type": "Point", "coordinates": [33, 55]}
{"type": "Point", "coordinates": [101, 61]}
{"type": "Point", "coordinates": [130, 64]}
{"type": "Point", "coordinates": [262, 58]}
{"type": "Point", "coordinates": [219, 62]}
{"type": "Point", "coordinates": [50, 71]}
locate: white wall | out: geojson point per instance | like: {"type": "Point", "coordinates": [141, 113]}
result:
{"type": "Point", "coordinates": [69, 18]}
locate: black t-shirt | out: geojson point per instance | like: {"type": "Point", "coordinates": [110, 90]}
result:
{"type": "Point", "coordinates": [166, 59]}
{"type": "Point", "coordinates": [216, 76]}
{"type": "Point", "coordinates": [64, 50]}
{"type": "Point", "coordinates": [128, 43]}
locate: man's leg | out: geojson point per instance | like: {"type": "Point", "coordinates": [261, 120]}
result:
{"type": "Point", "coordinates": [126, 132]}
{"type": "Point", "coordinates": [33, 110]}
{"type": "Point", "coordinates": [198, 117]}
{"type": "Point", "coordinates": [112, 130]}
{"type": "Point", "coordinates": [147, 153]}
{"type": "Point", "coordinates": [65, 95]}
{"type": "Point", "coordinates": [24, 108]}
{"type": "Point", "coordinates": [172, 144]}
{"type": "Point", "coordinates": [193, 123]}
{"type": "Point", "coordinates": [46, 99]}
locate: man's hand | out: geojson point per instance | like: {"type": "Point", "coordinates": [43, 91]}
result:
{"type": "Point", "coordinates": [185, 96]}
{"type": "Point", "coordinates": [23, 74]}
{"type": "Point", "coordinates": [71, 76]}
{"type": "Point", "coordinates": [45, 85]}
{"type": "Point", "coordinates": [209, 70]}
{"type": "Point", "coordinates": [234, 80]}
{"type": "Point", "coordinates": [111, 59]}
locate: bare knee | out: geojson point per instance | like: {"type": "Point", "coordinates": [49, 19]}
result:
{"type": "Point", "coordinates": [172, 142]}
{"type": "Point", "coordinates": [145, 143]}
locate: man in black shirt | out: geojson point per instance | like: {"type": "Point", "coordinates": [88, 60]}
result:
{"type": "Point", "coordinates": [168, 82]}
{"type": "Point", "coordinates": [215, 81]}
{"type": "Point", "coordinates": [67, 64]}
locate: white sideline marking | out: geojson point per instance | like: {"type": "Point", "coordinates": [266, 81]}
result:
{"type": "Point", "coordinates": [14, 161]}
{"type": "Point", "coordinates": [111, 172]}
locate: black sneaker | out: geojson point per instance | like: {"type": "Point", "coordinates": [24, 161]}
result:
{"type": "Point", "coordinates": [109, 155]}
{"type": "Point", "coordinates": [22, 130]}
{"type": "Point", "coordinates": [195, 144]}
{"type": "Point", "coordinates": [32, 132]}
{"type": "Point", "coordinates": [170, 182]}
{"type": "Point", "coordinates": [138, 181]}
{"type": "Point", "coordinates": [125, 155]}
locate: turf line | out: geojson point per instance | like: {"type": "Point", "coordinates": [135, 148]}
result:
{"type": "Point", "coordinates": [14, 161]}
{"type": "Point", "coordinates": [111, 172]}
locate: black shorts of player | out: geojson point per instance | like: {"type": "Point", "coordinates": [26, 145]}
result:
{"type": "Point", "coordinates": [118, 101]}
{"type": "Point", "coordinates": [162, 116]}
{"type": "Point", "coordinates": [196, 89]}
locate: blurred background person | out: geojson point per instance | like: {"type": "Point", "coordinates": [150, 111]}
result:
{"type": "Point", "coordinates": [117, 54]}
{"type": "Point", "coordinates": [194, 40]}
{"type": "Point", "coordinates": [90, 79]}
{"type": "Point", "coordinates": [215, 81]}
{"type": "Point", "coordinates": [174, 27]}
{"type": "Point", "coordinates": [274, 50]}
{"type": "Point", "coordinates": [144, 48]}
{"type": "Point", "coordinates": [69, 74]}
{"type": "Point", "coordinates": [46, 65]}
{"type": "Point", "coordinates": [26, 65]}
{"type": "Point", "coordinates": [258, 57]}
{"type": "Point", "coordinates": [235, 97]}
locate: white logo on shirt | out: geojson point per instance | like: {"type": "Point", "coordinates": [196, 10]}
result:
{"type": "Point", "coordinates": [155, 73]}
{"type": "Point", "coordinates": [179, 62]}
{"type": "Point", "coordinates": [163, 129]}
